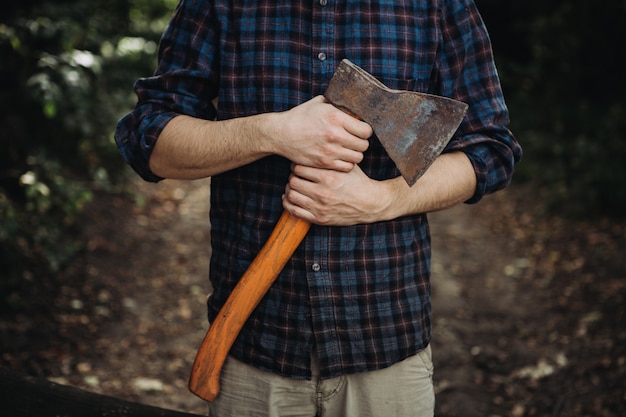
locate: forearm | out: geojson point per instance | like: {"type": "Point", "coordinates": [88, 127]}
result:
{"type": "Point", "coordinates": [191, 148]}
{"type": "Point", "coordinates": [450, 180]}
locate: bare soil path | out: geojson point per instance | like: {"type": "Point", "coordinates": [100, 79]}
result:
{"type": "Point", "coordinates": [528, 309]}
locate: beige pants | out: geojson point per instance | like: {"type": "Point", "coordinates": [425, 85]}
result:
{"type": "Point", "coordinates": [402, 390]}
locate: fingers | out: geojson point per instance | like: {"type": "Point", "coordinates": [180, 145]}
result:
{"type": "Point", "coordinates": [301, 184]}
{"type": "Point", "coordinates": [296, 201]}
{"type": "Point", "coordinates": [359, 129]}
{"type": "Point", "coordinates": [305, 173]}
{"type": "Point", "coordinates": [350, 138]}
{"type": "Point", "coordinates": [353, 126]}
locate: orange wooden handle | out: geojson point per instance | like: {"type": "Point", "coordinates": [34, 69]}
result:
{"type": "Point", "coordinates": [255, 282]}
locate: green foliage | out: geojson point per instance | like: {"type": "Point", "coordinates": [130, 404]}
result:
{"type": "Point", "coordinates": [560, 64]}
{"type": "Point", "coordinates": [66, 72]}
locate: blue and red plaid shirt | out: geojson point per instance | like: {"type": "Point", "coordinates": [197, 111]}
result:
{"type": "Point", "coordinates": [360, 294]}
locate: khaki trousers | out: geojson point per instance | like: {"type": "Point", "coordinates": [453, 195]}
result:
{"type": "Point", "coordinates": [402, 390]}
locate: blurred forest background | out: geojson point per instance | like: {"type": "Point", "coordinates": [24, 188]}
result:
{"type": "Point", "coordinates": [66, 73]}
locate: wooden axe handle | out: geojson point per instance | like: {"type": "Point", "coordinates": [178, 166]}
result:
{"type": "Point", "coordinates": [256, 281]}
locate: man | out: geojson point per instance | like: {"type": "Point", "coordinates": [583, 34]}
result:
{"type": "Point", "coordinates": [345, 329]}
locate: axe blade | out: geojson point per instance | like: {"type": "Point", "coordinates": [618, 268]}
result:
{"type": "Point", "coordinates": [413, 127]}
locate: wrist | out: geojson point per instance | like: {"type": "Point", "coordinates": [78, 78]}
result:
{"type": "Point", "coordinates": [389, 198]}
{"type": "Point", "coordinates": [379, 201]}
{"type": "Point", "coordinates": [278, 137]}
{"type": "Point", "coordinates": [265, 129]}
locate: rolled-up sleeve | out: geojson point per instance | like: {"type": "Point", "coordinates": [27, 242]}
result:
{"type": "Point", "coordinates": [185, 82]}
{"type": "Point", "coordinates": [468, 73]}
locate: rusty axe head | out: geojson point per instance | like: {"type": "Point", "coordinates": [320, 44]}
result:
{"type": "Point", "coordinates": [414, 128]}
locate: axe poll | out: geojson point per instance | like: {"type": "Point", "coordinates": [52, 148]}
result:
{"type": "Point", "coordinates": [413, 128]}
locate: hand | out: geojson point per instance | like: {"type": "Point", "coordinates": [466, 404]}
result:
{"type": "Point", "coordinates": [329, 197]}
{"type": "Point", "coordinates": [317, 134]}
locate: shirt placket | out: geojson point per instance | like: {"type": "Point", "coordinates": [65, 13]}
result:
{"type": "Point", "coordinates": [318, 245]}
{"type": "Point", "coordinates": [323, 44]}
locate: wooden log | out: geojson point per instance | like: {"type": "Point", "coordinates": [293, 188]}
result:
{"type": "Point", "coordinates": [26, 396]}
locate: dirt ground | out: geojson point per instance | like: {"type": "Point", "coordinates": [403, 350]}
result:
{"type": "Point", "coordinates": [528, 309]}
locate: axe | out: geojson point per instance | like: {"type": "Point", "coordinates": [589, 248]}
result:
{"type": "Point", "coordinates": [413, 128]}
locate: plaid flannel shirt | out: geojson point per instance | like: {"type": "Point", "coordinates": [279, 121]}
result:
{"type": "Point", "coordinates": [359, 294]}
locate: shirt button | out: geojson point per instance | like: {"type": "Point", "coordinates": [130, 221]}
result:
{"type": "Point", "coordinates": [323, 2]}
{"type": "Point", "coordinates": [321, 56]}
{"type": "Point", "coordinates": [316, 267]}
